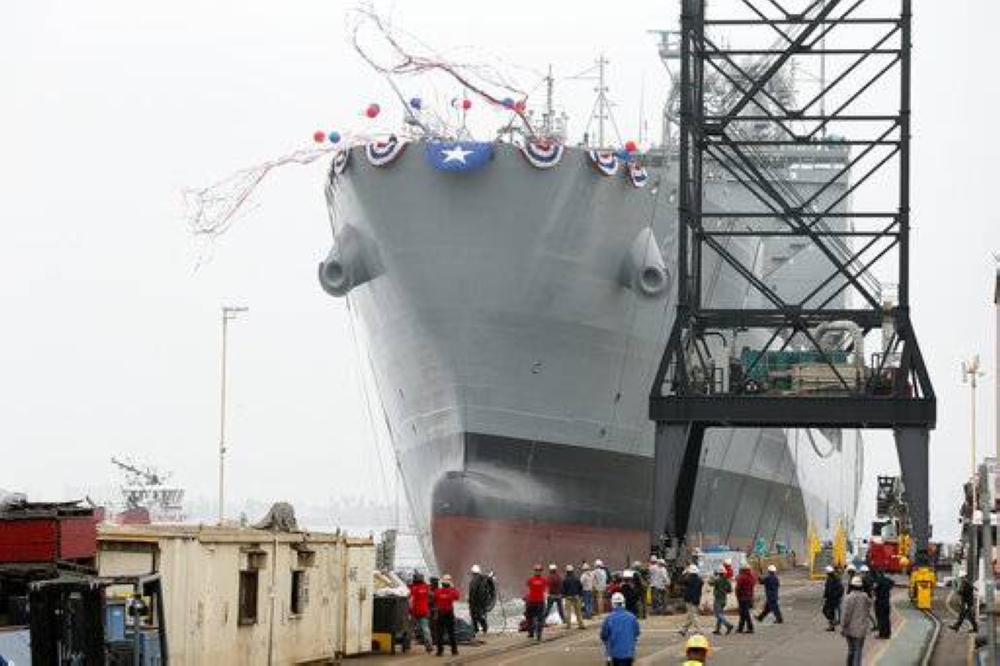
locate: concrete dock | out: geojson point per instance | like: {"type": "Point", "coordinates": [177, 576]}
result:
{"type": "Point", "coordinates": [801, 639]}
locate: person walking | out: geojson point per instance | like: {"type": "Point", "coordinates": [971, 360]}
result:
{"type": "Point", "coordinates": [745, 583]}
{"type": "Point", "coordinates": [883, 604]}
{"type": "Point", "coordinates": [555, 593]}
{"type": "Point", "coordinates": [420, 609]}
{"type": "Point", "coordinates": [967, 594]}
{"type": "Point", "coordinates": [587, 582]}
{"type": "Point", "coordinates": [640, 578]}
{"type": "Point", "coordinates": [833, 593]}
{"type": "Point", "coordinates": [854, 620]}
{"type": "Point", "coordinates": [534, 603]}
{"type": "Point", "coordinates": [572, 594]}
{"type": "Point", "coordinates": [721, 588]}
{"type": "Point", "coordinates": [630, 592]}
{"type": "Point", "coordinates": [620, 633]}
{"type": "Point", "coordinates": [696, 651]}
{"type": "Point", "coordinates": [658, 581]}
{"type": "Point", "coordinates": [444, 600]}
{"type": "Point", "coordinates": [771, 585]}
{"type": "Point", "coordinates": [601, 579]}
{"type": "Point", "coordinates": [435, 583]}
{"type": "Point", "coordinates": [479, 599]}
{"type": "Point", "coordinates": [692, 598]}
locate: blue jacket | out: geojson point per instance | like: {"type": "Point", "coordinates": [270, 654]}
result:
{"type": "Point", "coordinates": [771, 585]}
{"type": "Point", "coordinates": [692, 588]}
{"type": "Point", "coordinates": [619, 634]}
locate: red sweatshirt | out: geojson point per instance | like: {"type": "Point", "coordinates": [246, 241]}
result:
{"type": "Point", "coordinates": [445, 598]}
{"type": "Point", "coordinates": [419, 602]}
{"type": "Point", "coordinates": [744, 585]}
{"type": "Point", "coordinates": [537, 586]}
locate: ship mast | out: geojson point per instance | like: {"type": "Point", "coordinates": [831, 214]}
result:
{"type": "Point", "coordinates": [602, 99]}
{"type": "Point", "coordinates": [549, 116]}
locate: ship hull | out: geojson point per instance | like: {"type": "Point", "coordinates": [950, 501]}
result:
{"type": "Point", "coordinates": [513, 366]}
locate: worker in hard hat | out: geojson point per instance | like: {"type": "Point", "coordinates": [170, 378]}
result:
{"type": "Point", "coordinates": [572, 594]}
{"type": "Point", "coordinates": [444, 600]}
{"type": "Point", "coordinates": [554, 597]}
{"type": "Point", "coordinates": [771, 585]}
{"type": "Point", "coordinates": [745, 583]}
{"type": "Point", "coordinates": [479, 599]}
{"type": "Point", "coordinates": [833, 593]}
{"type": "Point", "coordinates": [855, 619]}
{"type": "Point", "coordinates": [620, 633]}
{"type": "Point", "coordinates": [692, 584]}
{"type": "Point", "coordinates": [721, 588]}
{"type": "Point", "coordinates": [696, 650]}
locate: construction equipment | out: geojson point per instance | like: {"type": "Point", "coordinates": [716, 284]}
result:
{"type": "Point", "coordinates": [889, 546]}
{"type": "Point", "coordinates": [111, 621]}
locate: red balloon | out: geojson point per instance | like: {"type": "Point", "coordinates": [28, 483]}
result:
{"type": "Point", "coordinates": [519, 106]}
{"type": "Point", "coordinates": [466, 104]}
{"type": "Point", "coordinates": [319, 136]}
{"type": "Point", "coordinates": [630, 146]}
{"type": "Point", "coordinates": [372, 110]}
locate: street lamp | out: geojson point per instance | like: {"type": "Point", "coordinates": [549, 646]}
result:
{"type": "Point", "coordinates": [229, 313]}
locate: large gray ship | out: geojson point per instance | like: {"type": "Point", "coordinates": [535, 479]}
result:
{"type": "Point", "coordinates": [514, 315]}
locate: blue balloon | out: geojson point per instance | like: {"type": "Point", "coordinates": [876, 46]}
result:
{"type": "Point", "coordinates": [508, 102]}
{"type": "Point", "coordinates": [416, 103]}
{"type": "Point", "coordinates": [334, 137]}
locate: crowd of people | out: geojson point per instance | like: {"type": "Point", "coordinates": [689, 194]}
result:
{"type": "Point", "coordinates": [866, 590]}
{"type": "Point", "coordinates": [581, 593]}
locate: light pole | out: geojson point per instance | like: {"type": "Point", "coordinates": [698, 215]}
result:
{"type": "Point", "coordinates": [229, 313]}
{"type": "Point", "coordinates": [986, 496]}
{"type": "Point", "coordinates": [970, 375]}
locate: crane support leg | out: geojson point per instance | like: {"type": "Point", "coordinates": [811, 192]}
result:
{"type": "Point", "coordinates": [676, 458]}
{"type": "Point", "coordinates": [912, 448]}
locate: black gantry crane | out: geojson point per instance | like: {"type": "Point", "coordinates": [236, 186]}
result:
{"type": "Point", "coordinates": [818, 179]}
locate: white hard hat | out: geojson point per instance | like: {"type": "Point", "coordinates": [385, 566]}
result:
{"type": "Point", "coordinates": [864, 567]}
{"type": "Point", "coordinates": [856, 581]}
{"type": "Point", "coordinates": [569, 567]}
{"type": "Point", "coordinates": [446, 578]}
{"type": "Point", "coordinates": [728, 561]}
{"type": "Point", "coordinates": [628, 573]}
{"type": "Point", "coordinates": [553, 567]}
{"type": "Point", "coordinates": [829, 569]}
{"type": "Point", "coordinates": [661, 561]}
{"type": "Point", "coordinates": [693, 568]}
{"type": "Point", "coordinates": [618, 599]}
{"type": "Point", "coordinates": [772, 568]}
{"type": "Point", "coordinates": [475, 568]}
{"type": "Point", "coordinates": [598, 563]}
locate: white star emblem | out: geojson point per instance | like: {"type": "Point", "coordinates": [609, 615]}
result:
{"type": "Point", "coordinates": [456, 154]}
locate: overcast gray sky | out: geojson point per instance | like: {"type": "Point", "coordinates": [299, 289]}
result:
{"type": "Point", "coordinates": [110, 334]}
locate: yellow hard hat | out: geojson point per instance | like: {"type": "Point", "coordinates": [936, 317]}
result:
{"type": "Point", "coordinates": [697, 642]}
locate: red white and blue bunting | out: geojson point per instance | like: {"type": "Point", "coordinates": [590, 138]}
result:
{"type": "Point", "coordinates": [637, 175]}
{"type": "Point", "coordinates": [542, 154]}
{"type": "Point", "coordinates": [382, 153]}
{"type": "Point", "coordinates": [340, 160]}
{"type": "Point", "coordinates": [605, 161]}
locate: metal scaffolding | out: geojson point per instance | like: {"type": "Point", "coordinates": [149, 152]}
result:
{"type": "Point", "coordinates": [743, 123]}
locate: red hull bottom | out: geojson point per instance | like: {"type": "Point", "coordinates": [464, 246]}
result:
{"type": "Point", "coordinates": [510, 548]}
